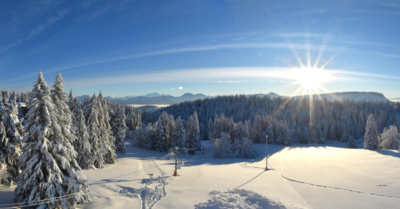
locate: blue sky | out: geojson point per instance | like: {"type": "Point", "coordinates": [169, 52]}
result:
{"type": "Point", "coordinates": [213, 47]}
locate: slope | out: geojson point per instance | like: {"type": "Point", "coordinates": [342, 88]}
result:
{"type": "Point", "coordinates": [327, 176]}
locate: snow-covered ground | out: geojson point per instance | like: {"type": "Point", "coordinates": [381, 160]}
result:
{"type": "Point", "coordinates": [321, 176]}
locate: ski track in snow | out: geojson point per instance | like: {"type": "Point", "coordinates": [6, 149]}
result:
{"type": "Point", "coordinates": [330, 187]}
{"type": "Point", "coordinates": [158, 167]}
{"type": "Point", "coordinates": [152, 191]}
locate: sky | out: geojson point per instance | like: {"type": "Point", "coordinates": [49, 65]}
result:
{"type": "Point", "coordinates": [214, 47]}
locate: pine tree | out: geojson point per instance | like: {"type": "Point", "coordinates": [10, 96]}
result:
{"type": "Point", "coordinates": [210, 128]}
{"type": "Point", "coordinates": [75, 107]}
{"type": "Point", "coordinates": [371, 134]}
{"type": "Point", "coordinates": [286, 135]}
{"type": "Point", "coordinates": [2, 111]}
{"type": "Point", "coordinates": [171, 126]}
{"type": "Point", "coordinates": [3, 150]}
{"type": "Point", "coordinates": [218, 129]}
{"type": "Point", "coordinates": [82, 144]}
{"type": "Point", "coordinates": [343, 137]}
{"type": "Point", "coordinates": [270, 133]}
{"type": "Point", "coordinates": [257, 129]}
{"type": "Point", "coordinates": [193, 132]}
{"type": "Point", "coordinates": [63, 113]}
{"type": "Point", "coordinates": [48, 163]}
{"type": "Point", "coordinates": [351, 143]}
{"type": "Point", "coordinates": [390, 138]}
{"type": "Point", "coordinates": [119, 129]}
{"type": "Point", "coordinates": [239, 131]}
{"type": "Point", "coordinates": [178, 135]}
{"type": "Point", "coordinates": [92, 123]}
{"type": "Point", "coordinates": [243, 148]}
{"type": "Point", "coordinates": [105, 131]}
{"type": "Point", "coordinates": [162, 133]}
{"type": "Point", "coordinates": [222, 147]}
{"type": "Point", "coordinates": [14, 134]}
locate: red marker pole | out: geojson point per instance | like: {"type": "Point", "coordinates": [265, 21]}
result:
{"type": "Point", "coordinates": [176, 161]}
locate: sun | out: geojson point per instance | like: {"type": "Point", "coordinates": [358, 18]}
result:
{"type": "Point", "coordinates": [311, 77]}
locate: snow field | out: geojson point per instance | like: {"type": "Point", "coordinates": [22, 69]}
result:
{"type": "Point", "coordinates": [321, 176]}
{"type": "Point", "coordinates": [240, 198]}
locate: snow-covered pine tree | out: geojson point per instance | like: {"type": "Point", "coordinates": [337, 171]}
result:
{"type": "Point", "coordinates": [371, 134]}
{"type": "Point", "coordinates": [82, 144]}
{"type": "Point", "coordinates": [92, 110]}
{"type": "Point", "coordinates": [313, 135]}
{"type": "Point", "coordinates": [196, 128]}
{"type": "Point", "coordinates": [4, 100]}
{"type": "Point", "coordinates": [3, 149]}
{"type": "Point", "coordinates": [217, 130]}
{"type": "Point", "coordinates": [162, 133]}
{"type": "Point", "coordinates": [286, 135]}
{"type": "Point", "coordinates": [171, 126]}
{"type": "Point", "coordinates": [178, 135]}
{"type": "Point", "coordinates": [222, 147]}
{"type": "Point", "coordinates": [210, 128]}
{"type": "Point", "coordinates": [306, 136]}
{"type": "Point", "coordinates": [390, 138]}
{"type": "Point", "coordinates": [2, 111]}
{"type": "Point", "coordinates": [62, 111]}
{"type": "Point", "coordinates": [48, 163]}
{"type": "Point", "coordinates": [239, 130]}
{"type": "Point", "coordinates": [343, 137]}
{"type": "Point", "coordinates": [270, 133]}
{"type": "Point", "coordinates": [243, 148]}
{"type": "Point", "coordinates": [14, 135]}
{"type": "Point", "coordinates": [74, 107]}
{"type": "Point", "coordinates": [105, 131]}
{"type": "Point", "coordinates": [257, 129]}
{"type": "Point", "coordinates": [351, 143]}
{"type": "Point", "coordinates": [193, 132]}
{"type": "Point", "coordinates": [119, 129]}
{"type": "Point", "coordinates": [70, 96]}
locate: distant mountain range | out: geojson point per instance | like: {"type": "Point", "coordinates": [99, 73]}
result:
{"type": "Point", "coordinates": [153, 98]}
{"type": "Point", "coordinates": [395, 99]}
{"type": "Point", "coordinates": [355, 96]}
{"type": "Point", "coordinates": [156, 98]}
{"type": "Point", "coordinates": [271, 94]}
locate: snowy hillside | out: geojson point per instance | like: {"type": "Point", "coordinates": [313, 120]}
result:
{"type": "Point", "coordinates": [299, 176]}
{"type": "Point", "coordinates": [355, 96]}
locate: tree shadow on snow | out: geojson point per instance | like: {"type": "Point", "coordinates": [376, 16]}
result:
{"type": "Point", "coordinates": [7, 197]}
{"type": "Point", "coordinates": [393, 153]}
{"type": "Point", "coordinates": [208, 159]}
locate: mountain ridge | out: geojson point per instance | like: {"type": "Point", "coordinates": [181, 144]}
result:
{"type": "Point", "coordinates": [156, 98]}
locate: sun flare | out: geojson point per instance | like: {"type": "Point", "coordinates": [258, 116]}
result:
{"type": "Point", "coordinates": [311, 77]}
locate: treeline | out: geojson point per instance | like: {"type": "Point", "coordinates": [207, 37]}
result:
{"type": "Point", "coordinates": [306, 121]}
{"type": "Point", "coordinates": [15, 96]}
{"type": "Point", "coordinates": [167, 133]}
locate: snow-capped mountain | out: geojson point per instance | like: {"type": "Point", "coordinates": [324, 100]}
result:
{"type": "Point", "coordinates": [153, 98]}
{"type": "Point", "coordinates": [271, 94]}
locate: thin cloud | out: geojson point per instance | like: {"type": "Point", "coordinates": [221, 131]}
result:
{"type": "Point", "coordinates": [36, 31]}
{"type": "Point", "coordinates": [198, 49]}
{"type": "Point", "coordinates": [387, 55]}
{"type": "Point", "coordinates": [224, 75]}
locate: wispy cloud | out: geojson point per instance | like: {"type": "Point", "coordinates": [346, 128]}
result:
{"type": "Point", "coordinates": [35, 31]}
{"type": "Point", "coordinates": [225, 75]}
{"type": "Point", "coordinates": [387, 55]}
{"type": "Point", "coordinates": [198, 49]}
